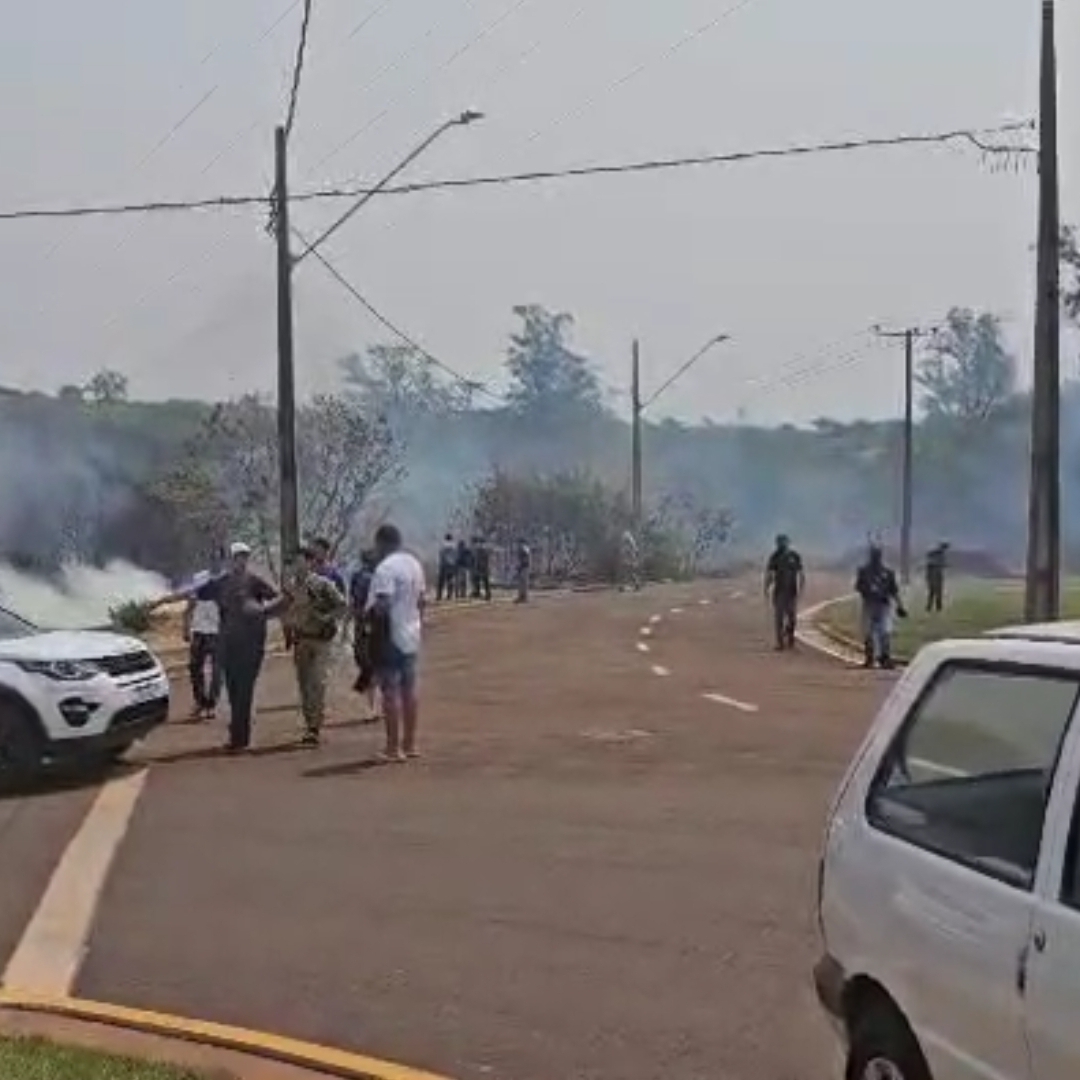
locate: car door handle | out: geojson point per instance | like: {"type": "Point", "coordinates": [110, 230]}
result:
{"type": "Point", "coordinates": [1038, 939]}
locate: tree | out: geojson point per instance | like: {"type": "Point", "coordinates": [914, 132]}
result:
{"type": "Point", "coordinates": [343, 456]}
{"type": "Point", "coordinates": [70, 392]}
{"type": "Point", "coordinates": [968, 373]}
{"type": "Point", "coordinates": [1070, 265]}
{"type": "Point", "coordinates": [547, 378]}
{"type": "Point", "coordinates": [107, 387]}
{"type": "Point", "coordinates": [401, 382]}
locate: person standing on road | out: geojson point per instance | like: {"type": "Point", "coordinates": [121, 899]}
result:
{"type": "Point", "coordinates": [359, 591]}
{"type": "Point", "coordinates": [396, 605]}
{"type": "Point", "coordinates": [935, 577]}
{"type": "Point", "coordinates": [244, 601]}
{"type": "Point", "coordinates": [444, 589]}
{"type": "Point", "coordinates": [522, 570]}
{"type": "Point", "coordinates": [315, 607]}
{"type": "Point", "coordinates": [202, 626]}
{"type": "Point", "coordinates": [322, 552]}
{"type": "Point", "coordinates": [879, 593]}
{"type": "Point", "coordinates": [481, 569]}
{"type": "Point", "coordinates": [463, 569]}
{"type": "Point", "coordinates": [785, 581]}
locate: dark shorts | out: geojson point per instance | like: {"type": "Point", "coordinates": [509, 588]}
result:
{"type": "Point", "coordinates": [397, 671]}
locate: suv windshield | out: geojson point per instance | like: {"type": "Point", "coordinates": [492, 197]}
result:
{"type": "Point", "coordinates": [11, 626]}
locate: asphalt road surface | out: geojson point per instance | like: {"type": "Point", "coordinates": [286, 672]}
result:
{"type": "Point", "coordinates": [603, 867]}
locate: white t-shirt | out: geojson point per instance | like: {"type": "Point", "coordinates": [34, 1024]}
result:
{"type": "Point", "coordinates": [205, 614]}
{"type": "Point", "coordinates": [400, 578]}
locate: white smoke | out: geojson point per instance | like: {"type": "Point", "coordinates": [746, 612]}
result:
{"type": "Point", "coordinates": [78, 596]}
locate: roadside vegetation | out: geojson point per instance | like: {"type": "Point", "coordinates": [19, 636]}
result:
{"type": "Point", "coordinates": [37, 1059]}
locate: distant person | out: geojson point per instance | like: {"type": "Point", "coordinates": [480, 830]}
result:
{"type": "Point", "coordinates": [463, 568]}
{"type": "Point", "coordinates": [481, 569]}
{"type": "Point", "coordinates": [359, 591]}
{"type": "Point", "coordinates": [245, 601]}
{"type": "Point", "coordinates": [396, 604]}
{"type": "Point", "coordinates": [202, 631]}
{"type": "Point", "coordinates": [936, 560]}
{"type": "Point", "coordinates": [444, 589]}
{"type": "Point", "coordinates": [879, 593]}
{"type": "Point", "coordinates": [315, 607]}
{"type": "Point", "coordinates": [785, 581]}
{"type": "Point", "coordinates": [522, 570]}
{"type": "Point", "coordinates": [630, 556]}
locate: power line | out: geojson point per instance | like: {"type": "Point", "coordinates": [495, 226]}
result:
{"type": "Point", "coordinates": [975, 137]}
{"type": "Point", "coordinates": [396, 330]}
{"type": "Point", "coordinates": [298, 68]}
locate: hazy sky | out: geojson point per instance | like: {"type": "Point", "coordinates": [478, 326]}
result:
{"type": "Point", "coordinates": [787, 256]}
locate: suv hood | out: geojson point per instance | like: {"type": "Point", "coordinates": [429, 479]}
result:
{"type": "Point", "coordinates": [69, 645]}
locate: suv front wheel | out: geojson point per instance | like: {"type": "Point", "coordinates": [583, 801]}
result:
{"type": "Point", "coordinates": [883, 1048]}
{"type": "Point", "coordinates": [20, 754]}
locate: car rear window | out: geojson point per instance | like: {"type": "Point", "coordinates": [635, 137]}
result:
{"type": "Point", "coordinates": [969, 773]}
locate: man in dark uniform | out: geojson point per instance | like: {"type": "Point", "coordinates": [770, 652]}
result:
{"type": "Point", "coordinates": [481, 583]}
{"type": "Point", "coordinates": [784, 583]}
{"type": "Point", "coordinates": [245, 601]}
{"type": "Point", "coordinates": [877, 588]}
{"type": "Point", "coordinates": [463, 569]}
{"type": "Point", "coordinates": [935, 577]}
{"type": "Point", "coordinates": [447, 569]}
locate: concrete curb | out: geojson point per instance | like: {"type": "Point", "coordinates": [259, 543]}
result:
{"type": "Point", "coordinates": [831, 643]}
{"type": "Point", "coordinates": [324, 1060]}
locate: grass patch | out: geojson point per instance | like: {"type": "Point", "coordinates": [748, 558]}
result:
{"type": "Point", "coordinates": [971, 608]}
{"type": "Point", "coordinates": [37, 1059]}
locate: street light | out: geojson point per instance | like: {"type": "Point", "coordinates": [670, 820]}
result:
{"type": "Point", "coordinates": [469, 116]}
{"type": "Point", "coordinates": [638, 407]}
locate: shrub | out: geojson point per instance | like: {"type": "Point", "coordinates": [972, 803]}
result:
{"type": "Point", "coordinates": [132, 617]}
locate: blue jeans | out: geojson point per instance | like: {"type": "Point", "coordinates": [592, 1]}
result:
{"type": "Point", "coordinates": [877, 622]}
{"type": "Point", "coordinates": [397, 671]}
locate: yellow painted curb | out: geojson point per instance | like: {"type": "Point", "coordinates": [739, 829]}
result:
{"type": "Point", "coordinates": [260, 1044]}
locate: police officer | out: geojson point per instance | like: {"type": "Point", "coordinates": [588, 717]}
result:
{"type": "Point", "coordinates": [315, 606]}
{"type": "Point", "coordinates": [785, 580]}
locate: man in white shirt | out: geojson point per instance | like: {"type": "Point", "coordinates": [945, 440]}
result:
{"type": "Point", "coordinates": [396, 606]}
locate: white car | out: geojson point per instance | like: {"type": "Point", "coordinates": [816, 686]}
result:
{"type": "Point", "coordinates": [949, 893]}
{"type": "Point", "coordinates": [70, 695]}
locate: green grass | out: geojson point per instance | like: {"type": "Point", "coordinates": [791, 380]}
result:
{"type": "Point", "coordinates": [36, 1059]}
{"type": "Point", "coordinates": [971, 607]}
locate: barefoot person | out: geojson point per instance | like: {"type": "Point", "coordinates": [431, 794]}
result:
{"type": "Point", "coordinates": [396, 605]}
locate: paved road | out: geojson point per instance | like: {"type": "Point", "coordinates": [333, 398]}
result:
{"type": "Point", "coordinates": [596, 871]}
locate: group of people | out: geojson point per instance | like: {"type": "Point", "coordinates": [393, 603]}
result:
{"type": "Point", "coordinates": [465, 569]}
{"type": "Point", "coordinates": [876, 586]}
{"type": "Point", "coordinates": [225, 622]}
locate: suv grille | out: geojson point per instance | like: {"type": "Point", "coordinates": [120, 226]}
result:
{"type": "Point", "coordinates": [126, 664]}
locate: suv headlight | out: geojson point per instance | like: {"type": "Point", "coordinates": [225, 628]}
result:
{"type": "Point", "coordinates": [61, 670]}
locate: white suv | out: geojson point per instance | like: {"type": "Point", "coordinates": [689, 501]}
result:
{"type": "Point", "coordinates": [73, 695]}
{"type": "Point", "coordinates": [949, 899]}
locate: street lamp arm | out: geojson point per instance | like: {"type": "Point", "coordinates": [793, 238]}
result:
{"type": "Point", "coordinates": [719, 339]}
{"type": "Point", "coordinates": [467, 117]}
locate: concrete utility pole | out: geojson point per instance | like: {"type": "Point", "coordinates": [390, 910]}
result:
{"type": "Point", "coordinates": [286, 374]}
{"type": "Point", "coordinates": [907, 473]}
{"type": "Point", "coordinates": [635, 438]}
{"type": "Point", "coordinates": [638, 407]}
{"type": "Point", "coordinates": [1043, 582]}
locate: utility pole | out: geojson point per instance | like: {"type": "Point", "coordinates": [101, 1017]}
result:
{"type": "Point", "coordinates": [286, 374]}
{"type": "Point", "coordinates": [1043, 580]}
{"type": "Point", "coordinates": [907, 473]}
{"type": "Point", "coordinates": [635, 439]}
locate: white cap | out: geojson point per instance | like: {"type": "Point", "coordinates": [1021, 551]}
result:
{"type": "Point", "coordinates": [239, 548]}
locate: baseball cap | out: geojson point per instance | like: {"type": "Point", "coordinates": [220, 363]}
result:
{"type": "Point", "coordinates": [239, 548]}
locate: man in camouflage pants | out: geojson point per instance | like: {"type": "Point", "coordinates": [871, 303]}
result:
{"type": "Point", "coordinates": [316, 606]}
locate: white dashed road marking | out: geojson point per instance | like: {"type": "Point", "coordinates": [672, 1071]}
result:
{"type": "Point", "coordinates": [737, 595]}
{"type": "Point", "coordinates": [661, 671]}
{"type": "Point", "coordinates": [676, 611]}
{"type": "Point", "coordinates": [734, 703]}
{"type": "Point", "coordinates": [646, 631]}
{"type": "Point", "coordinates": [654, 619]}
{"type": "Point", "coordinates": [704, 603]}
{"type": "Point", "coordinates": [642, 647]}
{"type": "Point", "coordinates": [47, 959]}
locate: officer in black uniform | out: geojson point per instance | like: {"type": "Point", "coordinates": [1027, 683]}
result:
{"type": "Point", "coordinates": [784, 584]}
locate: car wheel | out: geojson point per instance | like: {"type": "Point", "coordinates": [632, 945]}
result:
{"type": "Point", "coordinates": [883, 1048]}
{"type": "Point", "coordinates": [20, 754]}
